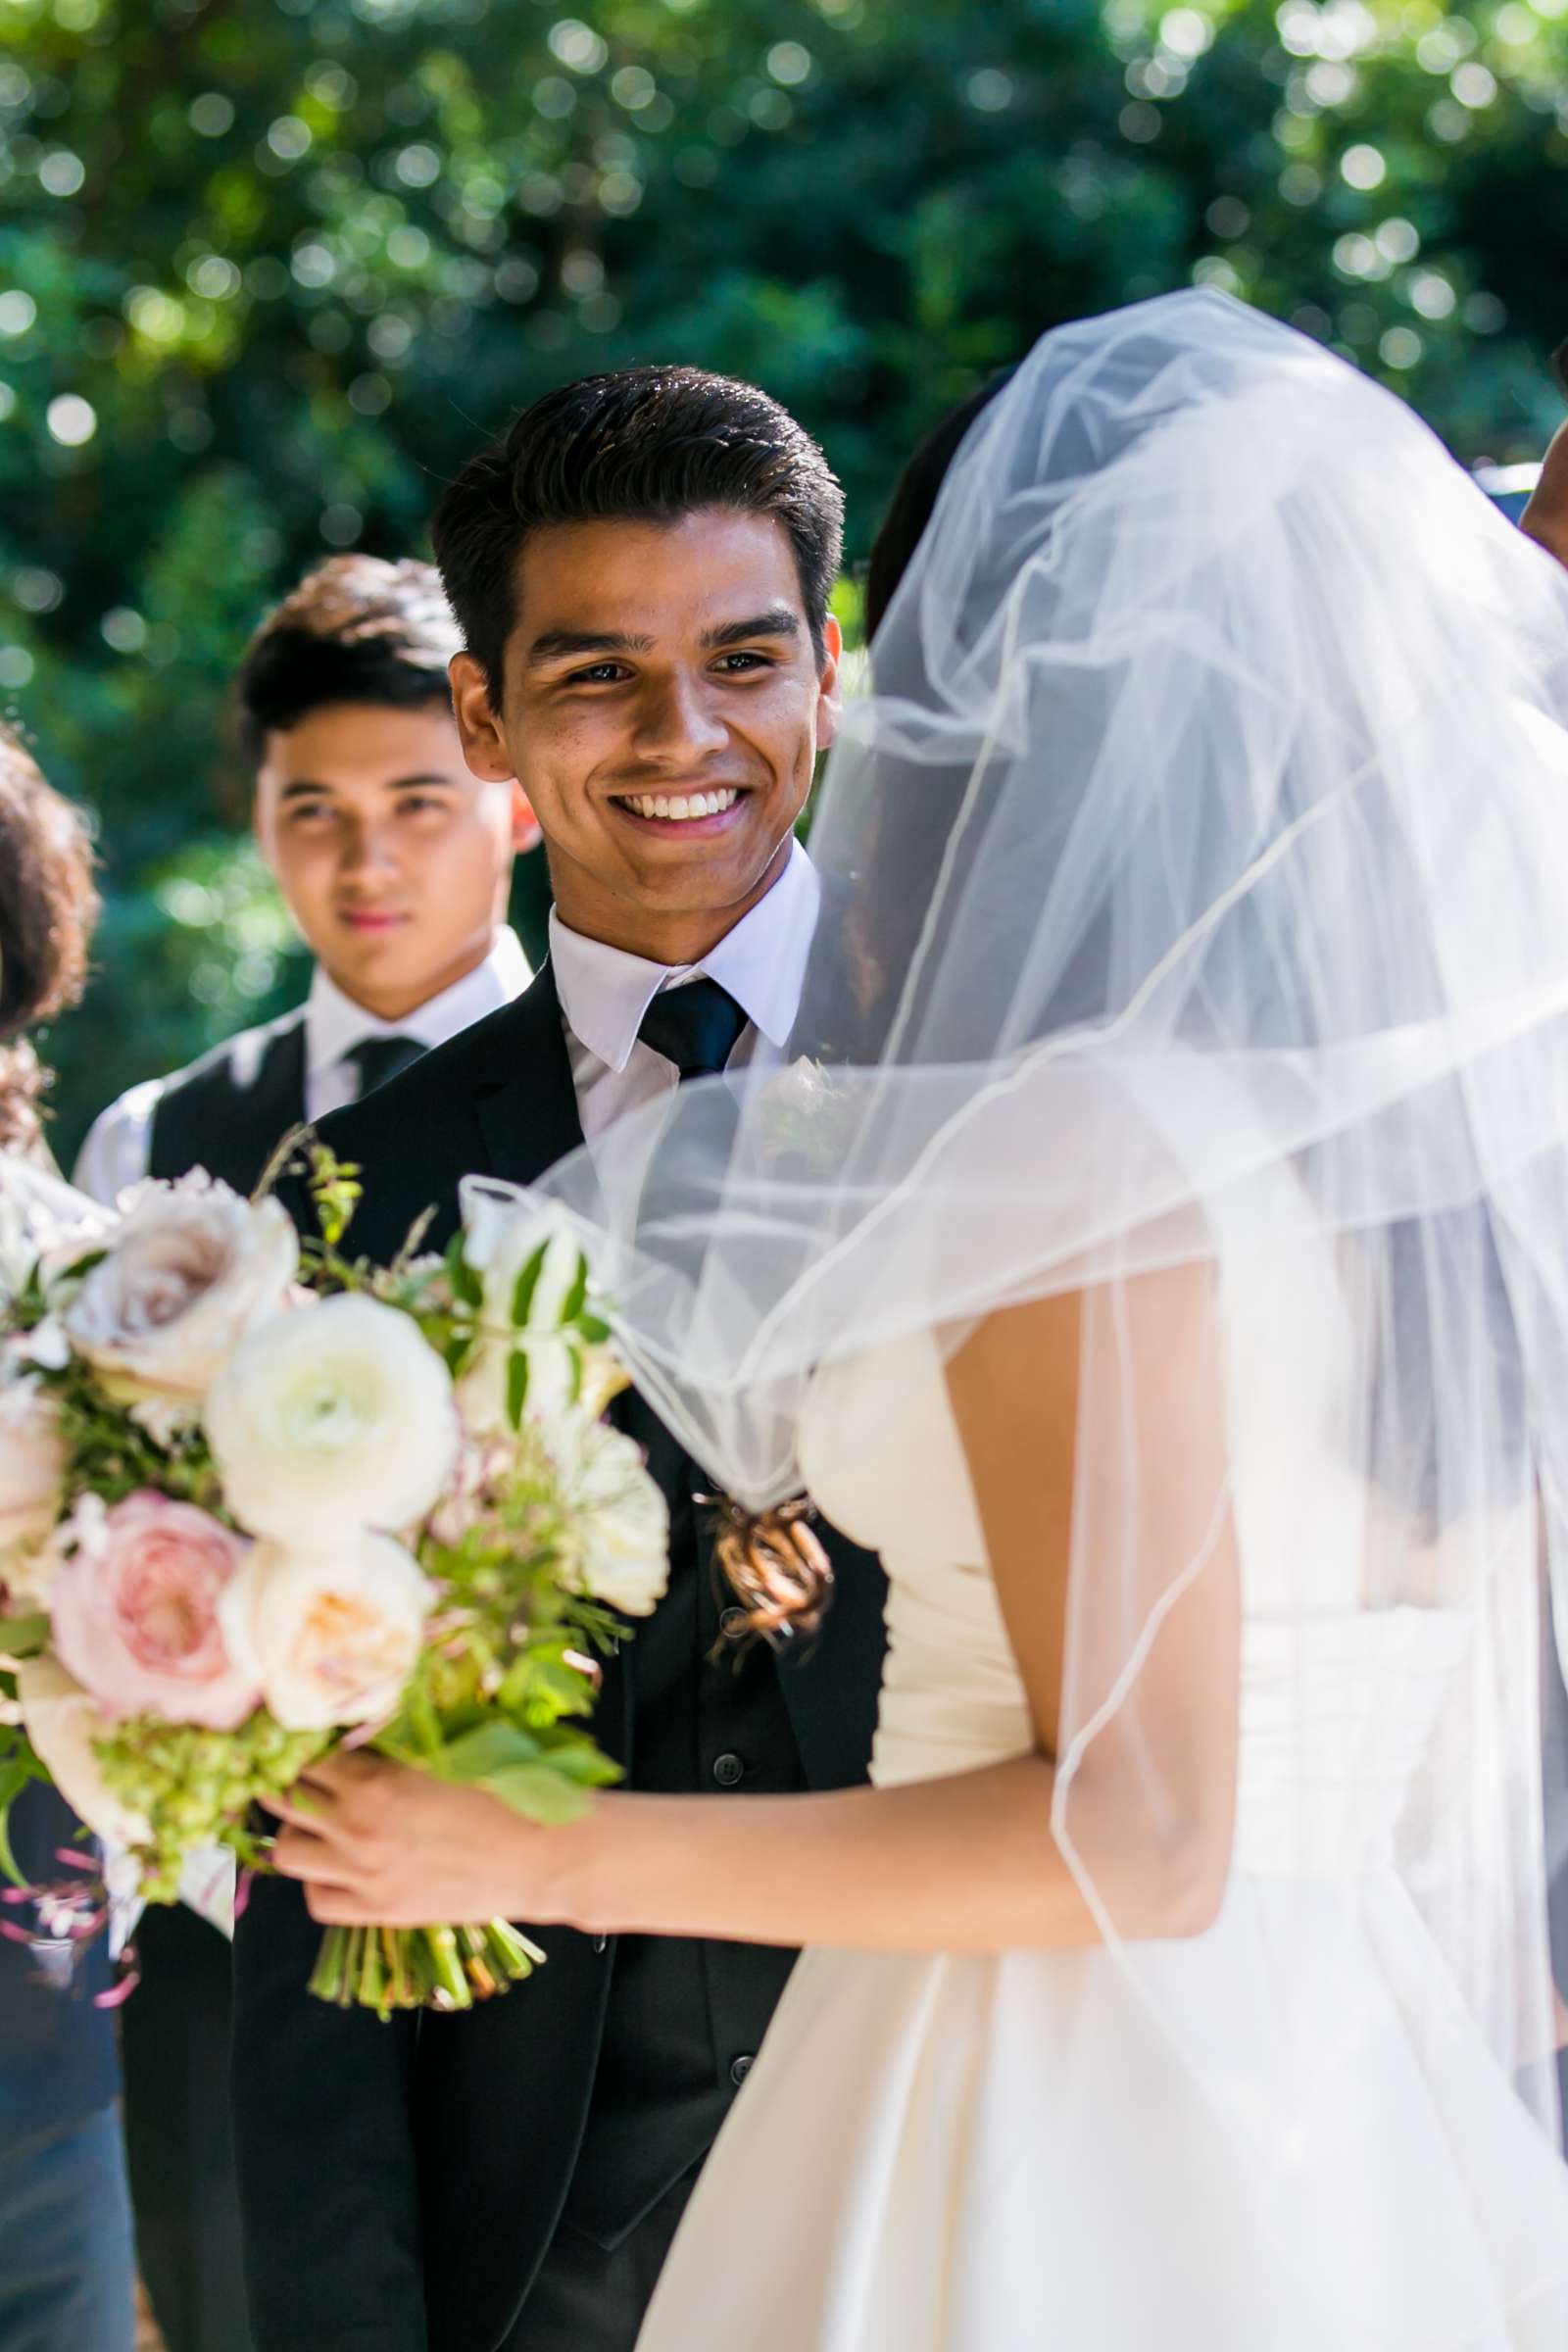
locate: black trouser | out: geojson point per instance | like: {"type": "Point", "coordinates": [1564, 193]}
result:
{"type": "Point", "coordinates": [174, 2033]}
{"type": "Point", "coordinates": [587, 2300]}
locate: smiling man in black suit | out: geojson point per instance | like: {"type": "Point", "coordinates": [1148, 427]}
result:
{"type": "Point", "coordinates": [641, 570]}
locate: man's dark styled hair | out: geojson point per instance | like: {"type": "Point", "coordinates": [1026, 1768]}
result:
{"type": "Point", "coordinates": [643, 445]}
{"type": "Point", "coordinates": [354, 630]}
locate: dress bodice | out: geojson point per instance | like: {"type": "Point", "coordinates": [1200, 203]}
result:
{"type": "Point", "coordinates": [1338, 1700]}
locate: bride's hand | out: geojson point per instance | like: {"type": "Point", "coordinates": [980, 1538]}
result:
{"type": "Point", "coordinates": [375, 1844]}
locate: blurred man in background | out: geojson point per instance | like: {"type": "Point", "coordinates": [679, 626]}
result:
{"type": "Point", "coordinates": [395, 863]}
{"type": "Point", "coordinates": [394, 860]}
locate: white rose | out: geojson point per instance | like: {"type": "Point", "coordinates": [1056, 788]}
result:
{"type": "Point", "coordinates": [190, 1270]}
{"type": "Point", "coordinates": [502, 1238]}
{"type": "Point", "coordinates": [33, 1467]}
{"type": "Point", "coordinates": [339, 1418]}
{"type": "Point", "coordinates": [618, 1518]}
{"type": "Point", "coordinates": [63, 1723]}
{"type": "Point", "coordinates": [331, 1635]}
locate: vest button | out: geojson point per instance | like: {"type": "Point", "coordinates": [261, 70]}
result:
{"type": "Point", "coordinates": [741, 2067]}
{"type": "Point", "coordinates": [733, 1624]}
{"type": "Point", "coordinates": [728, 1771]}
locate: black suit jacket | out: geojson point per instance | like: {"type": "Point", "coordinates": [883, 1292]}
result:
{"type": "Point", "coordinates": [402, 2182]}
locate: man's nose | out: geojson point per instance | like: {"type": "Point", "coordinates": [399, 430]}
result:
{"type": "Point", "coordinates": [366, 850]}
{"type": "Point", "coordinates": [678, 719]}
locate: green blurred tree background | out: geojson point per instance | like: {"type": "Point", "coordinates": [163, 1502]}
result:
{"type": "Point", "coordinates": [269, 269]}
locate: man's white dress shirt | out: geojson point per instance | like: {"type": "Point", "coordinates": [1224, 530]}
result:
{"type": "Point", "coordinates": [119, 1140]}
{"type": "Point", "coordinates": [604, 993]}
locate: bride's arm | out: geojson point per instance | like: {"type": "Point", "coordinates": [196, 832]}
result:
{"type": "Point", "coordinates": [967, 1863]}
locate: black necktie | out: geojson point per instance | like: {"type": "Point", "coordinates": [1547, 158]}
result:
{"type": "Point", "coordinates": [697, 1027]}
{"type": "Point", "coordinates": [378, 1059]}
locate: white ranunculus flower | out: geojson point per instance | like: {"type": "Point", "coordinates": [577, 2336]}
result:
{"type": "Point", "coordinates": [44, 1223]}
{"type": "Point", "coordinates": [501, 1240]}
{"type": "Point", "coordinates": [339, 1418]}
{"type": "Point", "coordinates": [618, 1518]}
{"type": "Point", "coordinates": [32, 1466]}
{"type": "Point", "coordinates": [190, 1270]}
{"type": "Point", "coordinates": [63, 1723]}
{"type": "Point", "coordinates": [331, 1633]}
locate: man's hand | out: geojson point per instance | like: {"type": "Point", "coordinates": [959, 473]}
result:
{"type": "Point", "coordinates": [375, 1844]}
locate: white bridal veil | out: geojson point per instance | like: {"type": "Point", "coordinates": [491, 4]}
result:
{"type": "Point", "coordinates": [1195, 885]}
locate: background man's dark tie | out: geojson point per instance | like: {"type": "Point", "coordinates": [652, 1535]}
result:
{"type": "Point", "coordinates": [378, 1059]}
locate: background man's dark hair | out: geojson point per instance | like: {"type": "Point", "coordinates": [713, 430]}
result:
{"type": "Point", "coordinates": [354, 630]}
{"type": "Point", "coordinates": [645, 445]}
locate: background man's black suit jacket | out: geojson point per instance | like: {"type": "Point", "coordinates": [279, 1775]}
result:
{"type": "Point", "coordinates": [402, 2182]}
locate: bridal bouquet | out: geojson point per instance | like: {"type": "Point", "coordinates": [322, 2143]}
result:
{"type": "Point", "coordinates": [259, 1501]}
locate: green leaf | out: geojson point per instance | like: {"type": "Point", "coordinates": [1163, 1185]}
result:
{"type": "Point", "coordinates": [526, 1285]}
{"type": "Point", "coordinates": [81, 1266]}
{"type": "Point", "coordinates": [583, 1763]}
{"type": "Point", "coordinates": [466, 1283]}
{"type": "Point", "coordinates": [516, 1386]}
{"type": "Point", "coordinates": [540, 1791]}
{"type": "Point", "coordinates": [15, 1774]}
{"type": "Point", "coordinates": [24, 1637]}
{"type": "Point", "coordinates": [594, 1330]}
{"type": "Point", "coordinates": [577, 1295]}
{"type": "Point", "coordinates": [548, 1683]}
{"type": "Point", "coordinates": [495, 1746]}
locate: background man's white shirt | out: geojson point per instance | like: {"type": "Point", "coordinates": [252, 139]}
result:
{"type": "Point", "coordinates": [119, 1140]}
{"type": "Point", "coordinates": [604, 993]}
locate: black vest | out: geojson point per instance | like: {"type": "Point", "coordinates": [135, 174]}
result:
{"type": "Point", "coordinates": [228, 1112]}
{"type": "Point", "coordinates": [683, 2020]}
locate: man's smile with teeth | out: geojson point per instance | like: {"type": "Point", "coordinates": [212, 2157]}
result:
{"type": "Point", "coordinates": [680, 804]}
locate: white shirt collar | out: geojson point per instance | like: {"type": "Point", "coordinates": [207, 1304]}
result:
{"type": "Point", "coordinates": [335, 1024]}
{"type": "Point", "coordinates": [605, 992]}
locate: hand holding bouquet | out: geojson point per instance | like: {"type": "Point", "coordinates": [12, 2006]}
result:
{"type": "Point", "coordinates": [258, 1502]}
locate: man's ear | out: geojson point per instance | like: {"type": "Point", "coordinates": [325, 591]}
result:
{"type": "Point", "coordinates": [484, 747]}
{"type": "Point", "coordinates": [261, 831]}
{"type": "Point", "coordinates": [829, 684]}
{"type": "Point", "coordinates": [526, 831]}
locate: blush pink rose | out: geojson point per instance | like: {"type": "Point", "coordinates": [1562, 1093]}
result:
{"type": "Point", "coordinates": [134, 1605]}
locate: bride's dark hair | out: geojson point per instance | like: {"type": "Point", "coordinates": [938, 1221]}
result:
{"type": "Point", "coordinates": [47, 909]}
{"type": "Point", "coordinates": [856, 977]}
{"type": "Point", "coordinates": [777, 1569]}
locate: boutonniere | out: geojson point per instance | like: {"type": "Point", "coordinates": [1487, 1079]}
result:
{"type": "Point", "coordinates": [805, 1116]}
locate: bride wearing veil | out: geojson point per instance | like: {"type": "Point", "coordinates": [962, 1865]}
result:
{"type": "Point", "coordinates": [1160, 1252]}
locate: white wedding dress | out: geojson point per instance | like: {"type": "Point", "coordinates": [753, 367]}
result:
{"type": "Point", "coordinates": [941, 2153]}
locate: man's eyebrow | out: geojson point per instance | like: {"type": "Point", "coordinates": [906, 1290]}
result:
{"type": "Point", "coordinates": [307, 788]}
{"type": "Point", "coordinates": [778, 621]}
{"type": "Point", "coordinates": [556, 644]}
